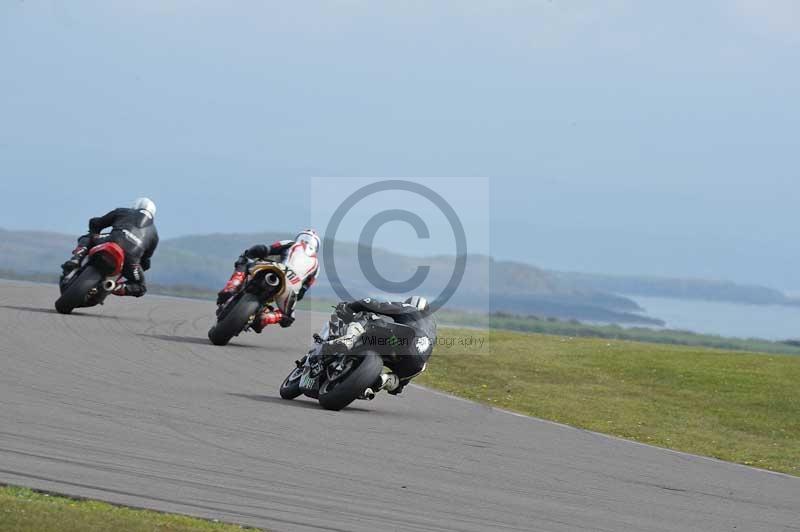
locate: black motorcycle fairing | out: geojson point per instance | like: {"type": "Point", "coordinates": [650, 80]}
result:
{"type": "Point", "coordinates": [342, 367]}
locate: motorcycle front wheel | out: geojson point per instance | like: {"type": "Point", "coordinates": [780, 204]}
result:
{"type": "Point", "coordinates": [290, 388]}
{"type": "Point", "coordinates": [235, 320]}
{"type": "Point", "coordinates": [77, 291]}
{"type": "Point", "coordinates": [340, 392]}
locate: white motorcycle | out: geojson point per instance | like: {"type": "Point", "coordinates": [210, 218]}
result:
{"type": "Point", "coordinates": [277, 284]}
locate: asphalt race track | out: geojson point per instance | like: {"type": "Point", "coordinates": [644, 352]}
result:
{"type": "Point", "coordinates": [130, 404]}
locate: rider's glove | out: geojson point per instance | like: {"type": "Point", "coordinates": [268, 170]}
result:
{"type": "Point", "coordinates": [344, 313]}
{"type": "Point", "coordinates": [242, 262]}
{"type": "Point", "coordinates": [347, 341]}
{"type": "Point", "coordinates": [286, 321]}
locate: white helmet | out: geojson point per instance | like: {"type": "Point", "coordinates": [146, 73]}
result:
{"type": "Point", "coordinates": [419, 302]}
{"type": "Point", "coordinates": [311, 239]}
{"type": "Point", "coordinates": [145, 204]}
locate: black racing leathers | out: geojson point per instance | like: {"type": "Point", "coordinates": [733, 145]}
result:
{"type": "Point", "coordinates": [134, 231]}
{"type": "Point", "coordinates": [410, 363]}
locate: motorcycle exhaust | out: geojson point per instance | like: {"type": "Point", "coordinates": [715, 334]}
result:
{"type": "Point", "coordinates": [109, 285]}
{"type": "Point", "coordinates": [272, 280]}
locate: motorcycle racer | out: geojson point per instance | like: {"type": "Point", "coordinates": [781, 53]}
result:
{"type": "Point", "coordinates": [134, 230]}
{"type": "Point", "coordinates": [362, 317]}
{"type": "Point", "coordinates": [307, 243]}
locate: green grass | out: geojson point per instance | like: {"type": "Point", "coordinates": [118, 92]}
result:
{"type": "Point", "coordinates": [533, 324]}
{"type": "Point", "coordinates": [23, 510]}
{"type": "Point", "coordinates": [736, 406]}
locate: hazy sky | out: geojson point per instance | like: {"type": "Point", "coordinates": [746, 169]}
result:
{"type": "Point", "coordinates": [620, 136]}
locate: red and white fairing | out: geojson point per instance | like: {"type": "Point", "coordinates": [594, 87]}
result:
{"type": "Point", "coordinates": [301, 266]}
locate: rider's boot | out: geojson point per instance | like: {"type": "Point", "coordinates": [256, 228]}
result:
{"type": "Point", "coordinates": [77, 256]}
{"type": "Point", "coordinates": [231, 287]}
{"type": "Point", "coordinates": [368, 394]}
{"type": "Point", "coordinates": [387, 381]}
{"type": "Point", "coordinates": [130, 289]}
{"type": "Point", "coordinates": [268, 317]}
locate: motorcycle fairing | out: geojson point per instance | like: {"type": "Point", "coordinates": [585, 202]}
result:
{"type": "Point", "coordinates": [112, 254]}
{"type": "Point", "coordinates": [299, 265]}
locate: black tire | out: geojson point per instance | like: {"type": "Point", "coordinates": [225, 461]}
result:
{"type": "Point", "coordinates": [352, 385]}
{"type": "Point", "coordinates": [234, 320]}
{"type": "Point", "coordinates": [290, 388]}
{"type": "Point", "coordinates": [75, 294]}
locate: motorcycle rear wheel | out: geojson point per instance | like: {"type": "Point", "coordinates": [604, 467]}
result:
{"type": "Point", "coordinates": [234, 320]}
{"type": "Point", "coordinates": [77, 292]}
{"type": "Point", "coordinates": [335, 395]}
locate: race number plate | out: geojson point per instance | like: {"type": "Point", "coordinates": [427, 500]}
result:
{"type": "Point", "coordinates": [307, 382]}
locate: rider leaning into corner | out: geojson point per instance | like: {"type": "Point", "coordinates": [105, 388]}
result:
{"type": "Point", "coordinates": [358, 317]}
{"type": "Point", "coordinates": [135, 232]}
{"type": "Point", "coordinates": [306, 242]}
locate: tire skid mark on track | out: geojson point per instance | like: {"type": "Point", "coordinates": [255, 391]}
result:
{"type": "Point", "coordinates": [317, 473]}
{"type": "Point", "coordinates": [112, 457]}
{"type": "Point", "coordinates": [155, 340]}
{"type": "Point", "coordinates": [298, 501]}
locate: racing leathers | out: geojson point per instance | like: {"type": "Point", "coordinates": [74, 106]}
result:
{"type": "Point", "coordinates": [357, 319]}
{"type": "Point", "coordinates": [277, 252]}
{"type": "Point", "coordinates": [134, 231]}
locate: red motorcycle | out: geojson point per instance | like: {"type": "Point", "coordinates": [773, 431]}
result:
{"type": "Point", "coordinates": [90, 283]}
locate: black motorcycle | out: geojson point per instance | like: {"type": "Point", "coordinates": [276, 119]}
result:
{"type": "Point", "coordinates": [336, 373]}
{"type": "Point", "coordinates": [98, 275]}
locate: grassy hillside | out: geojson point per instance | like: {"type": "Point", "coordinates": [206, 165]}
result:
{"type": "Point", "coordinates": [33, 251]}
{"type": "Point", "coordinates": [511, 322]}
{"type": "Point", "coordinates": [734, 406]}
{"type": "Point", "coordinates": [206, 261]}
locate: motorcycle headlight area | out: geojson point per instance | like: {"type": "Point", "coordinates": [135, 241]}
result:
{"type": "Point", "coordinates": [422, 344]}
